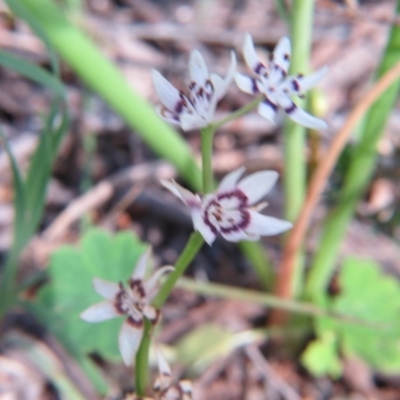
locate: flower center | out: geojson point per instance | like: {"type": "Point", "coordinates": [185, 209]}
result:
{"type": "Point", "coordinates": [131, 300]}
{"type": "Point", "coordinates": [227, 212]}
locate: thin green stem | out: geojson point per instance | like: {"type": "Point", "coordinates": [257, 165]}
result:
{"type": "Point", "coordinates": [142, 361]}
{"type": "Point", "coordinates": [252, 296]}
{"type": "Point", "coordinates": [294, 134]}
{"type": "Point", "coordinates": [207, 136]}
{"type": "Point", "coordinates": [193, 246]}
{"type": "Point", "coordinates": [238, 113]}
{"type": "Point", "coordinates": [142, 358]}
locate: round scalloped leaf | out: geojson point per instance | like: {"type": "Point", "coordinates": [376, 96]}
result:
{"type": "Point", "coordinates": [367, 294]}
{"type": "Point", "coordinates": [71, 291]}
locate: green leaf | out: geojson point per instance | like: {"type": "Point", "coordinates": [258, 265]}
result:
{"type": "Point", "coordinates": [321, 358]}
{"type": "Point", "coordinates": [368, 295]}
{"type": "Point", "coordinates": [197, 353]}
{"type": "Point", "coordinates": [71, 290]}
{"type": "Point", "coordinates": [20, 10]}
{"type": "Point", "coordinates": [19, 187]}
{"type": "Point", "coordinates": [32, 71]}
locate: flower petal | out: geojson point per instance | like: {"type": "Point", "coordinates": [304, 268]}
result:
{"type": "Point", "coordinates": [197, 68]}
{"type": "Point", "coordinates": [192, 120]}
{"type": "Point", "coordinates": [141, 266]}
{"type": "Point", "coordinates": [281, 54]}
{"type": "Point", "coordinates": [186, 389]}
{"type": "Point", "coordinates": [190, 199]}
{"type": "Point", "coordinates": [163, 366]}
{"type": "Point", "coordinates": [167, 115]}
{"type": "Point", "coordinates": [208, 232]}
{"type": "Point", "coordinates": [235, 235]}
{"type": "Point", "coordinates": [108, 290]}
{"type": "Point", "coordinates": [309, 81]}
{"type": "Point", "coordinates": [151, 283]}
{"type": "Point", "coordinates": [251, 57]}
{"type": "Point", "coordinates": [221, 85]}
{"type": "Point", "coordinates": [264, 225]}
{"type": "Point", "coordinates": [151, 313]}
{"type": "Point", "coordinates": [229, 181]}
{"type": "Point", "coordinates": [246, 83]}
{"type": "Point", "coordinates": [100, 312]}
{"type": "Point", "coordinates": [168, 94]}
{"type": "Point", "coordinates": [129, 339]}
{"type": "Point", "coordinates": [268, 110]}
{"type": "Point", "coordinates": [257, 185]}
{"type": "Point", "coordinates": [300, 116]}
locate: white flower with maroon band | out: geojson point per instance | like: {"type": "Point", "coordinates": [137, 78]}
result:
{"type": "Point", "coordinates": [165, 388]}
{"type": "Point", "coordinates": [232, 210]}
{"type": "Point", "coordinates": [278, 88]}
{"type": "Point", "coordinates": [131, 301]}
{"type": "Point", "coordinates": [205, 90]}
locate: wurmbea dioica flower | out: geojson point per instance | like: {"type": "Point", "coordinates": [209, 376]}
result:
{"type": "Point", "coordinates": [278, 88]}
{"type": "Point", "coordinates": [232, 210]}
{"type": "Point", "coordinates": [165, 388]}
{"type": "Point", "coordinates": [205, 90]}
{"type": "Point", "coordinates": [132, 301]}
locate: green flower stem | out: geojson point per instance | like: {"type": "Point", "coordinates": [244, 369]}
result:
{"type": "Point", "coordinates": [207, 140]}
{"type": "Point", "coordinates": [294, 135]}
{"type": "Point", "coordinates": [193, 246]}
{"type": "Point", "coordinates": [142, 361]}
{"type": "Point", "coordinates": [142, 358]}
{"type": "Point", "coordinates": [238, 113]}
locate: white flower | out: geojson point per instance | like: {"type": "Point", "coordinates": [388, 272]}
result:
{"type": "Point", "coordinates": [164, 386]}
{"type": "Point", "coordinates": [232, 210]}
{"type": "Point", "coordinates": [205, 90]}
{"type": "Point", "coordinates": [278, 88]}
{"type": "Point", "coordinates": [132, 301]}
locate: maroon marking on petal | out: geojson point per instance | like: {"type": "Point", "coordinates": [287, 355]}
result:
{"type": "Point", "coordinates": [192, 85]}
{"type": "Point", "coordinates": [137, 286]}
{"type": "Point", "coordinates": [291, 109]}
{"type": "Point", "coordinates": [271, 104]}
{"type": "Point", "coordinates": [280, 69]}
{"type": "Point", "coordinates": [119, 300]}
{"type": "Point", "coordinates": [259, 67]}
{"type": "Point", "coordinates": [206, 216]}
{"type": "Point", "coordinates": [254, 86]}
{"type": "Point", "coordinates": [240, 195]}
{"type": "Point", "coordinates": [286, 57]}
{"type": "Point", "coordinates": [296, 85]}
{"type": "Point", "coordinates": [135, 323]}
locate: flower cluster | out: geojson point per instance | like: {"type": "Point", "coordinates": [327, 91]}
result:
{"type": "Point", "coordinates": [232, 210]}
{"type": "Point", "coordinates": [205, 90]}
{"type": "Point", "coordinates": [132, 301]}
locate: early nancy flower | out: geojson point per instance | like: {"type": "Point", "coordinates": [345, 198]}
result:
{"type": "Point", "coordinates": [278, 88]}
{"type": "Point", "coordinates": [132, 301]}
{"type": "Point", "coordinates": [205, 90]}
{"type": "Point", "coordinates": [165, 388]}
{"type": "Point", "coordinates": [232, 210]}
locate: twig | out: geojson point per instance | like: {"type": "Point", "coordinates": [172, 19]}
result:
{"type": "Point", "coordinates": [296, 235]}
{"type": "Point", "coordinates": [271, 379]}
{"type": "Point", "coordinates": [103, 191]}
